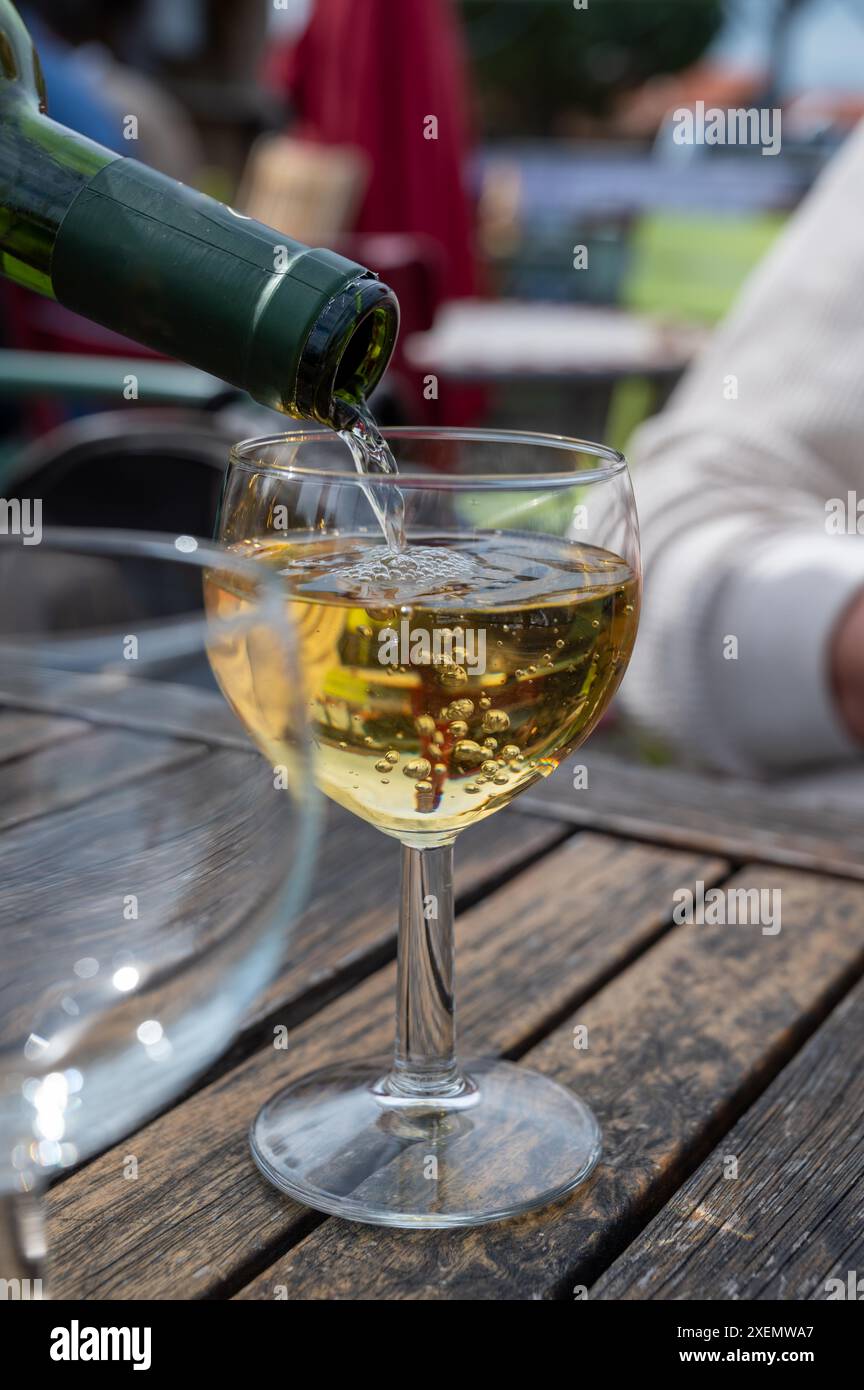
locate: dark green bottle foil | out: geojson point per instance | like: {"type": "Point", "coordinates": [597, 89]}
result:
{"type": "Point", "coordinates": [191, 278]}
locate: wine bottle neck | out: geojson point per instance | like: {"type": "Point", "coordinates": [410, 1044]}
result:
{"type": "Point", "coordinates": [43, 166]}
{"type": "Point", "coordinates": [20, 70]}
{"type": "Point", "coordinates": [291, 325]}
{"type": "Point", "coordinates": [302, 330]}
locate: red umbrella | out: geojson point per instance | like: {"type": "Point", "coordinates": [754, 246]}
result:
{"type": "Point", "coordinates": [389, 77]}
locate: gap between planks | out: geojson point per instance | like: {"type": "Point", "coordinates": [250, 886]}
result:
{"type": "Point", "coordinates": [757, 1231]}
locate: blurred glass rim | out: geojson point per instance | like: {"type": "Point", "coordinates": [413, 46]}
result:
{"type": "Point", "coordinates": [145, 545]}
{"type": "Point", "coordinates": [609, 462]}
{"type": "Point", "coordinates": [206, 556]}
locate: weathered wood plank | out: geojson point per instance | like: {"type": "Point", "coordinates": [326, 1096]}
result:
{"type": "Point", "coordinates": [22, 733]}
{"type": "Point", "coordinates": [198, 1213]}
{"type": "Point", "coordinates": [790, 1215]}
{"type": "Point", "coordinates": [68, 773]}
{"type": "Point", "coordinates": [164, 708]}
{"type": "Point", "coordinates": [689, 810]}
{"type": "Point", "coordinates": [678, 1046]}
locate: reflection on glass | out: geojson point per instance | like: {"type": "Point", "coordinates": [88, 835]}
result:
{"type": "Point", "coordinates": [151, 861]}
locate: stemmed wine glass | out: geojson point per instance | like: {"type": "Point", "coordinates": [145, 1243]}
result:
{"type": "Point", "coordinates": [150, 862]}
{"type": "Point", "coordinates": [441, 679]}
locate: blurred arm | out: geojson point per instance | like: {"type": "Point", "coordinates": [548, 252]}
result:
{"type": "Point", "coordinates": [739, 661]}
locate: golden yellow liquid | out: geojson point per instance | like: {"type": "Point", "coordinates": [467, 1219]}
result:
{"type": "Point", "coordinates": [440, 684]}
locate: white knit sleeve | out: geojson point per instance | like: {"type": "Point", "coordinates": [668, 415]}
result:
{"type": "Point", "coordinates": [744, 580]}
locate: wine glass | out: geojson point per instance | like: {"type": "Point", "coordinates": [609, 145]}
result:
{"type": "Point", "coordinates": [441, 680]}
{"type": "Point", "coordinates": [151, 863]}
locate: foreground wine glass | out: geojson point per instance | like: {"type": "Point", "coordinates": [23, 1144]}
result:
{"type": "Point", "coordinates": [150, 863]}
{"type": "Point", "coordinates": [441, 680]}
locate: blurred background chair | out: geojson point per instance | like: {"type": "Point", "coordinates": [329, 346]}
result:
{"type": "Point", "coordinates": [154, 470]}
{"type": "Point", "coordinates": [308, 191]}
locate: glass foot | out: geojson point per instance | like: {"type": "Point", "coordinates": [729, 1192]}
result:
{"type": "Point", "coordinates": [340, 1141]}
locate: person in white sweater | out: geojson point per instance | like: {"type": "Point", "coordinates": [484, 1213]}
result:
{"type": "Point", "coordinates": [750, 655]}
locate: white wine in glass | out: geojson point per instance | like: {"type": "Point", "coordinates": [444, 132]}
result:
{"type": "Point", "coordinates": [440, 680]}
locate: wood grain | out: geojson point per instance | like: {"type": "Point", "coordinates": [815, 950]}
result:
{"type": "Point", "coordinates": [680, 1043]}
{"type": "Point", "coordinates": [163, 708]}
{"type": "Point", "coordinates": [68, 773]}
{"type": "Point", "coordinates": [198, 1218]}
{"type": "Point", "coordinates": [22, 733]}
{"type": "Point", "coordinates": [691, 810]}
{"type": "Point", "coordinates": [792, 1216]}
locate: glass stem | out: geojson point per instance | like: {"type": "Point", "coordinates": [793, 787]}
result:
{"type": "Point", "coordinates": [424, 1064]}
{"type": "Point", "coordinates": [22, 1245]}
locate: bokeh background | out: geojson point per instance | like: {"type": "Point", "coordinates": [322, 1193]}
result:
{"type": "Point", "coordinates": [553, 133]}
{"type": "Point", "coordinates": [510, 167]}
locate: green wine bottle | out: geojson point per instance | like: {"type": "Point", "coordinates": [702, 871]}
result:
{"type": "Point", "coordinates": [302, 330]}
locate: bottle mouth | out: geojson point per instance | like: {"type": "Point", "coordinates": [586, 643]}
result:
{"type": "Point", "coordinates": [347, 351]}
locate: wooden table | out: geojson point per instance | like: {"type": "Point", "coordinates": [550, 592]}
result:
{"type": "Point", "coordinates": [724, 1063]}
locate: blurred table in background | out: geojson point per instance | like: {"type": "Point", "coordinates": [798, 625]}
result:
{"type": "Point", "coordinates": [573, 369]}
{"type": "Point", "coordinates": [566, 179]}
{"type": "Point", "coordinates": [507, 340]}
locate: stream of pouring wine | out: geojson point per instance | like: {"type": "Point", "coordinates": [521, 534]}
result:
{"type": "Point", "coordinates": [372, 455]}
